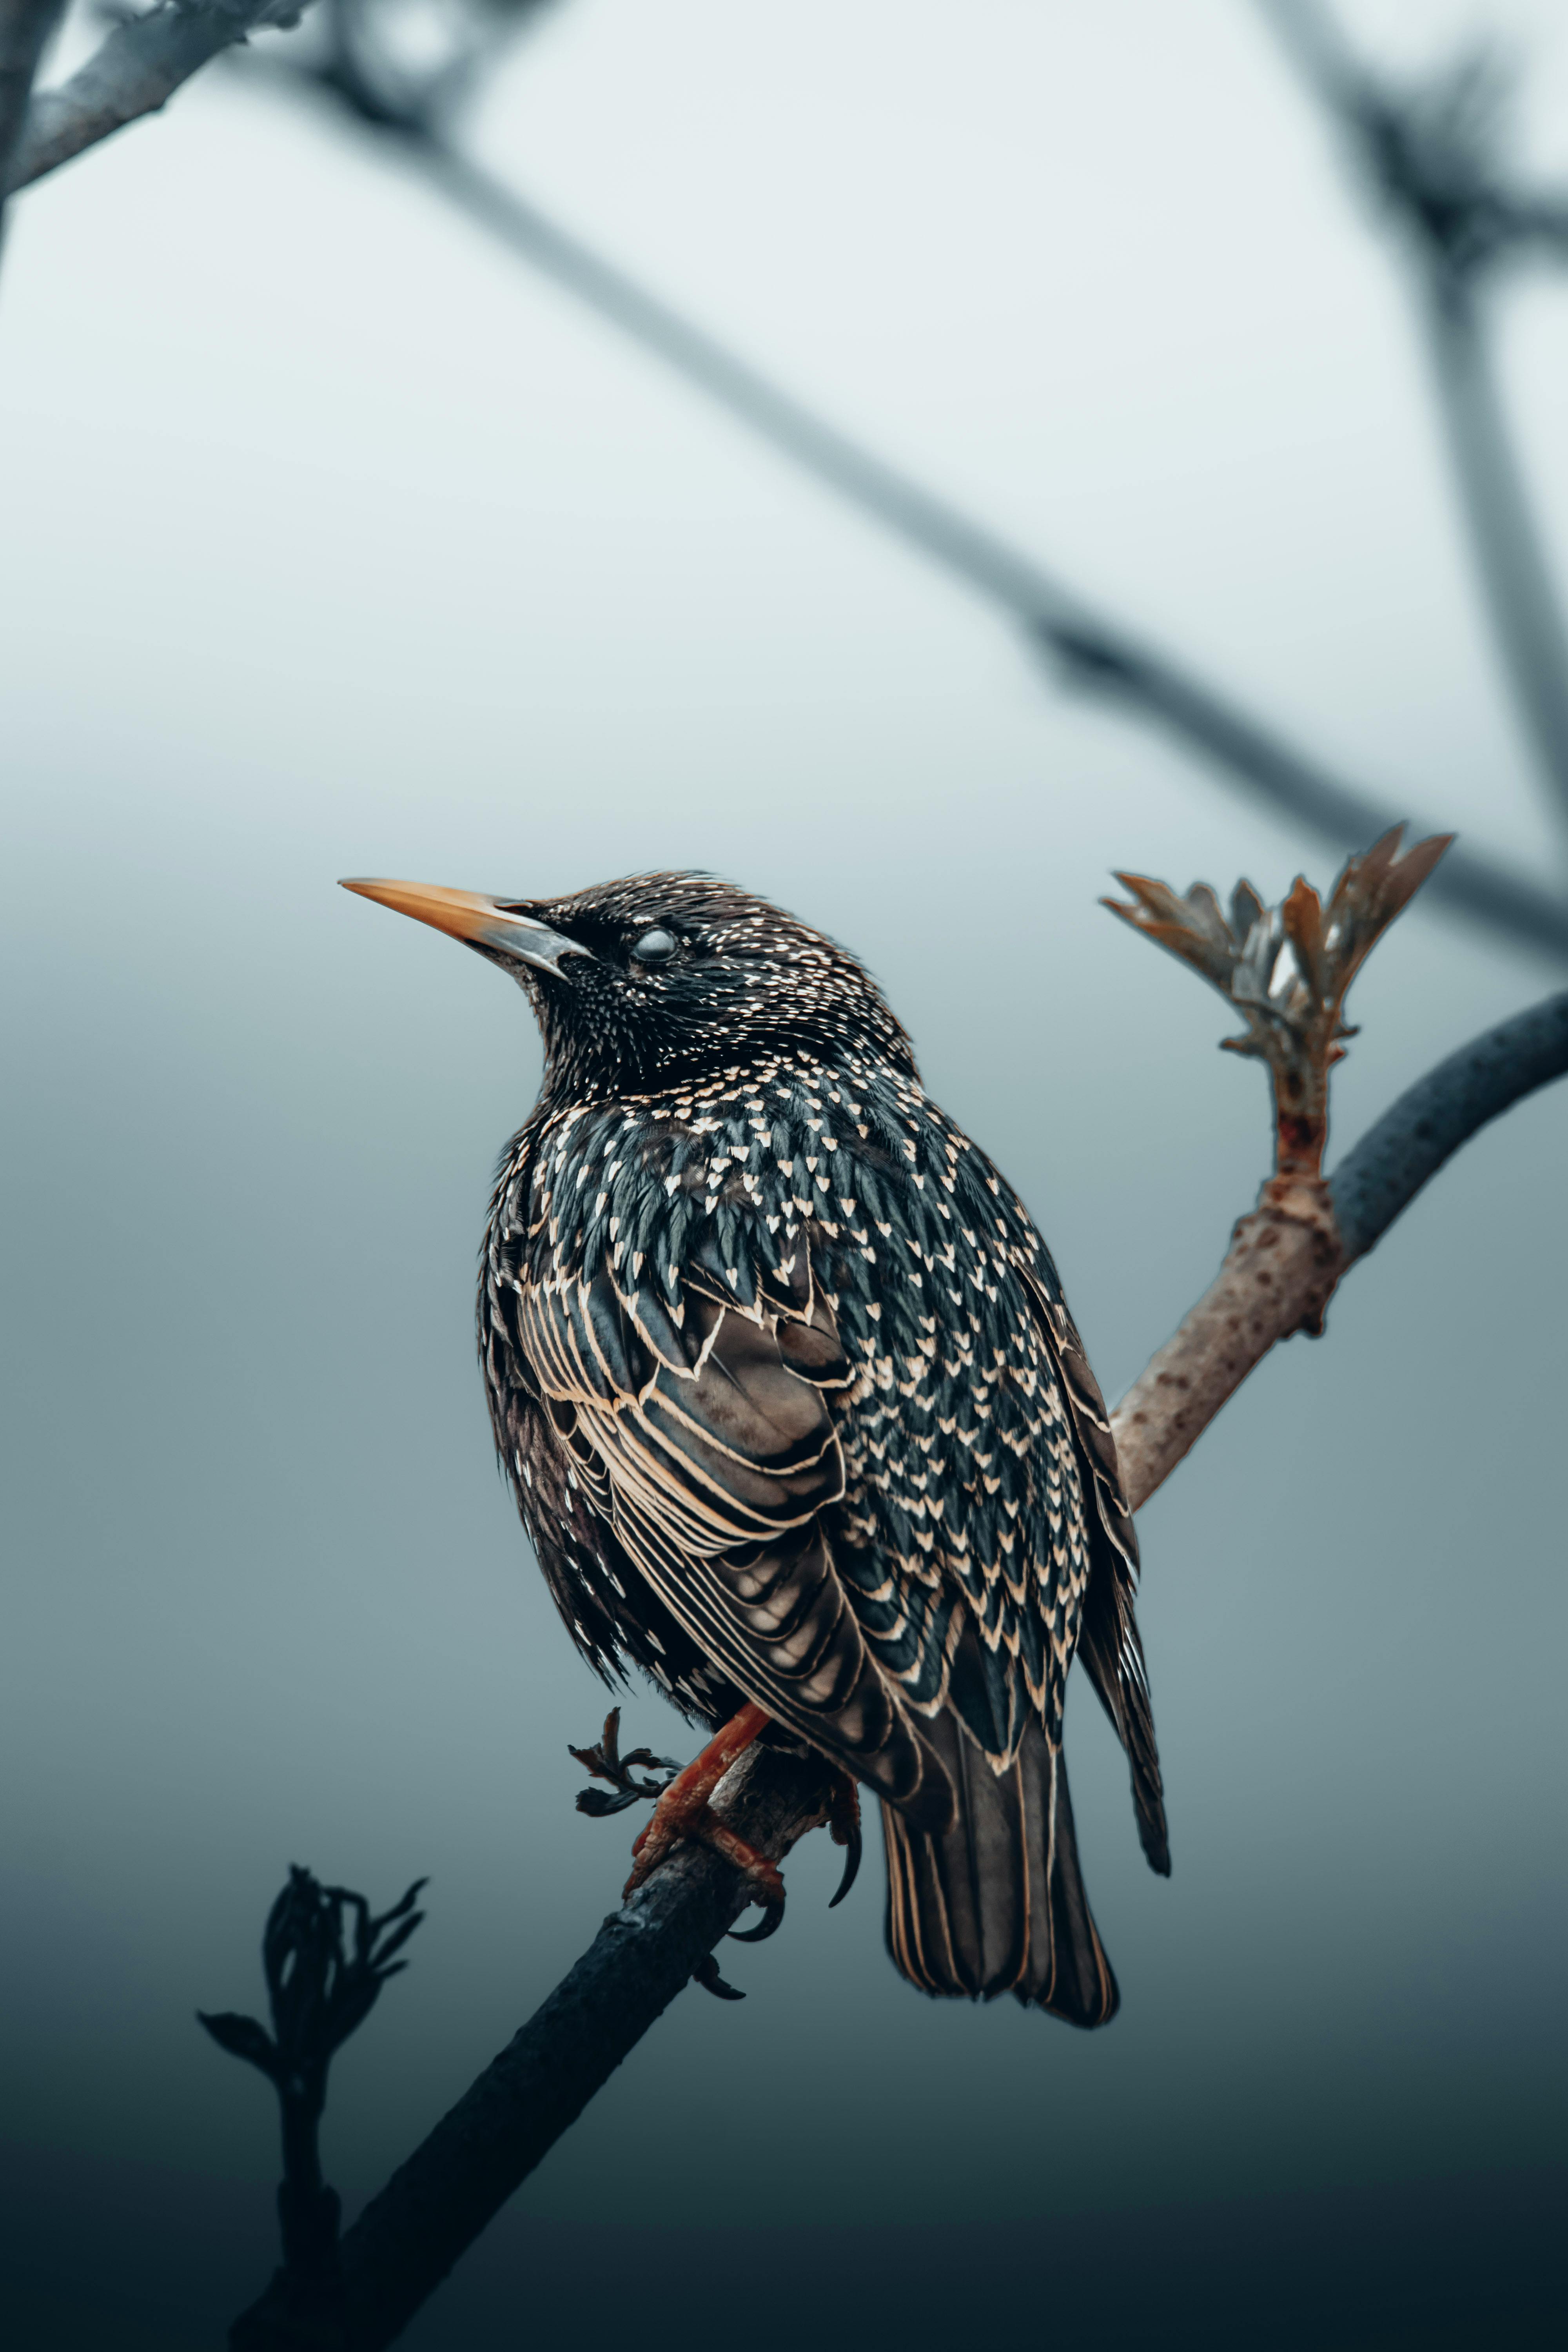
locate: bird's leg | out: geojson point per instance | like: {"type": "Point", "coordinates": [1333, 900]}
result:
{"type": "Point", "coordinates": [683, 1811]}
{"type": "Point", "coordinates": [606, 1762]}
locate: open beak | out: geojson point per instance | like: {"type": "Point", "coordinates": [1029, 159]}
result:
{"type": "Point", "coordinates": [470, 915]}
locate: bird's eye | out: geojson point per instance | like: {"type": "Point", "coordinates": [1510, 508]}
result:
{"type": "Point", "coordinates": [655, 946]}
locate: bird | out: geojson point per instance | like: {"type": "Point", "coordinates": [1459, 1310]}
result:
{"type": "Point", "coordinates": [782, 1379]}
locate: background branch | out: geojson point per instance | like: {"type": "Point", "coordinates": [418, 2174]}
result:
{"type": "Point", "coordinates": [136, 70]}
{"type": "Point", "coordinates": [140, 64]}
{"type": "Point", "coordinates": [1088, 650]}
{"type": "Point", "coordinates": [1519, 594]}
{"type": "Point", "coordinates": [1434, 157]}
{"type": "Point", "coordinates": [1279, 1270]}
{"type": "Point", "coordinates": [25, 29]}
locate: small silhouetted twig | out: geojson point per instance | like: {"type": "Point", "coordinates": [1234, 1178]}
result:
{"type": "Point", "coordinates": [436, 2205]}
{"type": "Point", "coordinates": [320, 1989]}
{"type": "Point", "coordinates": [606, 1762]}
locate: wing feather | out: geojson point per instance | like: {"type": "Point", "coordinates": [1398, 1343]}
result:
{"type": "Point", "coordinates": [1109, 1641]}
{"type": "Point", "coordinates": [719, 1469]}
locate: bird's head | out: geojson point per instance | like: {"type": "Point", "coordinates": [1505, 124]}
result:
{"type": "Point", "coordinates": [664, 978]}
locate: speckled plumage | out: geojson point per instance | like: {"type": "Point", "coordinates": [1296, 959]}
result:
{"type": "Point", "coordinates": [784, 1379]}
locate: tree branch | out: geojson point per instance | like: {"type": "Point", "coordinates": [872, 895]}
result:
{"type": "Point", "coordinates": [1410, 1142]}
{"type": "Point", "coordinates": [1519, 594]}
{"type": "Point", "coordinates": [138, 67]}
{"type": "Point", "coordinates": [1433, 158]}
{"type": "Point", "coordinates": [136, 70]}
{"type": "Point", "coordinates": [1286, 1258]}
{"type": "Point", "coordinates": [1090, 651]}
{"type": "Point", "coordinates": [25, 29]}
{"type": "Point", "coordinates": [435, 2206]}
{"type": "Point", "coordinates": [1101, 659]}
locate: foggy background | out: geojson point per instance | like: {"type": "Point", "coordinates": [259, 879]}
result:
{"type": "Point", "coordinates": [333, 541]}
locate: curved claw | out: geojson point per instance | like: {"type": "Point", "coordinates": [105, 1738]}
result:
{"type": "Point", "coordinates": [856, 1846]}
{"type": "Point", "coordinates": [844, 1827]}
{"type": "Point", "coordinates": [769, 1925]}
{"type": "Point", "coordinates": [706, 1974]}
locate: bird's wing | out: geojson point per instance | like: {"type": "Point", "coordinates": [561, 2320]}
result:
{"type": "Point", "coordinates": [1109, 1641]}
{"type": "Point", "coordinates": [707, 1443]}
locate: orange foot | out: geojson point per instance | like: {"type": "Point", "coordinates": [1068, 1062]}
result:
{"type": "Point", "coordinates": [683, 1811]}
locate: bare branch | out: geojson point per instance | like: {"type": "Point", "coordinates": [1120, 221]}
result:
{"type": "Point", "coordinates": [1286, 1259]}
{"type": "Point", "coordinates": [1434, 156]}
{"type": "Point", "coordinates": [140, 66]}
{"type": "Point", "coordinates": [1410, 1142]}
{"type": "Point", "coordinates": [25, 29]}
{"type": "Point", "coordinates": [1432, 152]}
{"type": "Point", "coordinates": [435, 2206]}
{"type": "Point", "coordinates": [1090, 651]}
{"type": "Point", "coordinates": [1521, 594]}
{"type": "Point", "coordinates": [1287, 971]}
{"type": "Point", "coordinates": [1289, 1254]}
{"type": "Point", "coordinates": [1469, 883]}
{"type": "Point", "coordinates": [136, 70]}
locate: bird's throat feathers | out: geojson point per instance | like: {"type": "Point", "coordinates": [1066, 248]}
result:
{"type": "Point", "coordinates": [840, 1172]}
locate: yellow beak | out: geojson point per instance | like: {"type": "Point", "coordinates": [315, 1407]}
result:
{"type": "Point", "coordinates": [469, 916]}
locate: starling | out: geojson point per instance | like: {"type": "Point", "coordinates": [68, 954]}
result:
{"type": "Point", "coordinates": [782, 1379]}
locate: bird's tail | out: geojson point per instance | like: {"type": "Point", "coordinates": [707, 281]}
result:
{"type": "Point", "coordinates": [997, 1903]}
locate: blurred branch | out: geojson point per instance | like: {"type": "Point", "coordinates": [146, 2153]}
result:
{"type": "Point", "coordinates": [1469, 883]}
{"type": "Point", "coordinates": [1088, 650]}
{"type": "Point", "coordinates": [1433, 154]}
{"type": "Point", "coordinates": [137, 69]}
{"type": "Point", "coordinates": [1286, 1256]}
{"type": "Point", "coordinates": [1521, 594]}
{"type": "Point", "coordinates": [25, 29]}
{"type": "Point", "coordinates": [142, 62]}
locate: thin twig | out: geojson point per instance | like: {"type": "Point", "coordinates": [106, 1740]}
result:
{"type": "Point", "coordinates": [320, 1992]}
{"type": "Point", "coordinates": [408, 2238]}
{"type": "Point", "coordinates": [136, 70]}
